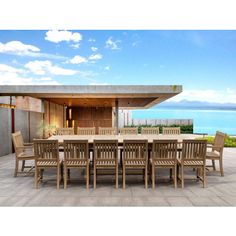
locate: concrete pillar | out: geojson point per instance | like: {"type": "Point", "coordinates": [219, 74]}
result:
{"type": "Point", "coordinates": [117, 116]}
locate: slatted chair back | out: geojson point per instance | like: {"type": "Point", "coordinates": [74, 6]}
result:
{"type": "Point", "coordinates": [130, 130]}
{"type": "Point", "coordinates": [219, 141]}
{"type": "Point", "coordinates": [86, 131]}
{"type": "Point", "coordinates": [135, 150]}
{"type": "Point", "coordinates": [75, 150]}
{"type": "Point", "coordinates": [150, 130]}
{"type": "Point", "coordinates": [65, 131]}
{"type": "Point", "coordinates": [17, 140]}
{"type": "Point", "coordinates": [46, 150]}
{"type": "Point", "coordinates": [105, 150]}
{"type": "Point", "coordinates": [106, 131]}
{"type": "Point", "coordinates": [194, 150]}
{"type": "Point", "coordinates": [164, 149]}
{"type": "Point", "coordinates": [171, 130]}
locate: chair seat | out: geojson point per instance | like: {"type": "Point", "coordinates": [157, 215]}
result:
{"type": "Point", "coordinates": [105, 163]}
{"type": "Point", "coordinates": [163, 162]}
{"type": "Point", "coordinates": [138, 163]}
{"type": "Point", "coordinates": [47, 163]}
{"type": "Point", "coordinates": [192, 162]}
{"type": "Point", "coordinates": [75, 163]}
{"type": "Point", "coordinates": [213, 154]}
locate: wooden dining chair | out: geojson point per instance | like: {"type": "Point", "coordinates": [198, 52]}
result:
{"type": "Point", "coordinates": [216, 151]}
{"type": "Point", "coordinates": [76, 155]}
{"type": "Point", "coordinates": [105, 157]}
{"type": "Point", "coordinates": [164, 155]}
{"type": "Point", "coordinates": [129, 130]}
{"type": "Point", "coordinates": [135, 156]}
{"type": "Point", "coordinates": [86, 131]}
{"type": "Point", "coordinates": [23, 152]}
{"type": "Point", "coordinates": [150, 130]}
{"type": "Point", "coordinates": [171, 130]}
{"type": "Point", "coordinates": [194, 157]}
{"type": "Point", "coordinates": [46, 157]}
{"type": "Point", "coordinates": [106, 131]}
{"type": "Point", "coordinates": [65, 131]}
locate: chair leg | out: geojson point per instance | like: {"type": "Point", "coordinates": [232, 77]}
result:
{"type": "Point", "coordinates": [146, 177]}
{"type": "Point", "coordinates": [58, 177]}
{"type": "Point", "coordinates": [182, 176]}
{"type": "Point", "coordinates": [87, 177]}
{"type": "Point", "coordinates": [213, 164]}
{"type": "Point", "coordinates": [123, 176]}
{"type": "Point", "coordinates": [221, 167]}
{"type": "Point", "coordinates": [16, 167]}
{"type": "Point", "coordinates": [204, 176]}
{"type": "Point", "coordinates": [175, 176]}
{"type": "Point", "coordinates": [153, 176]}
{"type": "Point", "coordinates": [23, 165]}
{"type": "Point", "coordinates": [94, 177]}
{"type": "Point", "coordinates": [65, 177]}
{"type": "Point", "coordinates": [36, 177]}
{"type": "Point", "coordinates": [117, 176]}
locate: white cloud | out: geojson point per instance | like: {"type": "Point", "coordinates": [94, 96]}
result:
{"type": "Point", "coordinates": [57, 36]}
{"type": "Point", "coordinates": [95, 57]}
{"type": "Point", "coordinates": [75, 46]}
{"type": "Point", "coordinates": [9, 69]}
{"type": "Point", "coordinates": [91, 40]}
{"type": "Point", "coordinates": [107, 68]}
{"type": "Point", "coordinates": [18, 48]}
{"type": "Point", "coordinates": [94, 49]}
{"type": "Point", "coordinates": [113, 45]}
{"type": "Point", "coordinates": [78, 59]}
{"type": "Point", "coordinates": [43, 67]}
{"type": "Point", "coordinates": [207, 95]}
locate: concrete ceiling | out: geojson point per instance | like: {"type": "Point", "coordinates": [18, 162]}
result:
{"type": "Point", "coordinates": [128, 96]}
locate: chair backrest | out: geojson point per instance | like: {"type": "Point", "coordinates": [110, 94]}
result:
{"type": "Point", "coordinates": [46, 150]}
{"type": "Point", "coordinates": [130, 130]}
{"type": "Point", "coordinates": [164, 149]}
{"type": "Point", "coordinates": [17, 140]}
{"type": "Point", "coordinates": [105, 149]}
{"type": "Point", "coordinates": [135, 149]}
{"type": "Point", "coordinates": [86, 131]}
{"type": "Point", "coordinates": [76, 149]}
{"type": "Point", "coordinates": [150, 130]}
{"type": "Point", "coordinates": [171, 130]}
{"type": "Point", "coordinates": [106, 131]}
{"type": "Point", "coordinates": [65, 131]}
{"type": "Point", "coordinates": [194, 149]}
{"type": "Point", "coordinates": [219, 141]}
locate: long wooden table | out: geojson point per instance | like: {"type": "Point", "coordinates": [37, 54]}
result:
{"type": "Point", "coordinates": [121, 138]}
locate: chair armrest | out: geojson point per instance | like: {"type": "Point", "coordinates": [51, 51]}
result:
{"type": "Point", "coordinates": [24, 148]}
{"type": "Point", "coordinates": [28, 144]}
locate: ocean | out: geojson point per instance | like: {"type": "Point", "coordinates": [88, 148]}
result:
{"type": "Point", "coordinates": [204, 121]}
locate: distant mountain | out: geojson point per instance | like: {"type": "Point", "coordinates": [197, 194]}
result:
{"type": "Point", "coordinates": [185, 104]}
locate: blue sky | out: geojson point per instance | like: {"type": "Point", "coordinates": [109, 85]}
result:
{"type": "Point", "coordinates": [203, 62]}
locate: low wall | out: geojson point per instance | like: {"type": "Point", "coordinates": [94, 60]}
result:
{"type": "Point", "coordinates": [163, 122]}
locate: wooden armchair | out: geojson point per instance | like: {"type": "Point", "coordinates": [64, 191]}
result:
{"type": "Point", "coordinates": [65, 131]}
{"type": "Point", "coordinates": [23, 152]}
{"type": "Point", "coordinates": [135, 156]}
{"type": "Point", "coordinates": [105, 157]}
{"type": "Point", "coordinates": [150, 130]}
{"type": "Point", "coordinates": [46, 157]}
{"type": "Point", "coordinates": [164, 155]}
{"type": "Point", "coordinates": [171, 130]}
{"type": "Point", "coordinates": [130, 130]}
{"type": "Point", "coordinates": [106, 131]}
{"type": "Point", "coordinates": [193, 156]}
{"type": "Point", "coordinates": [216, 152]}
{"type": "Point", "coordinates": [76, 155]}
{"type": "Point", "coordinates": [86, 131]}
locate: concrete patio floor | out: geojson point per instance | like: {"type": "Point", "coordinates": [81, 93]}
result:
{"type": "Point", "coordinates": [20, 191]}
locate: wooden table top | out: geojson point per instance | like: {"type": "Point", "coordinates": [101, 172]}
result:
{"type": "Point", "coordinates": [120, 138]}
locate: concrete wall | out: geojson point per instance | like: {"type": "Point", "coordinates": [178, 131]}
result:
{"type": "Point", "coordinates": [5, 131]}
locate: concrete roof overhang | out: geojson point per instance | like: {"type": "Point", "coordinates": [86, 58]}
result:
{"type": "Point", "coordinates": [128, 96]}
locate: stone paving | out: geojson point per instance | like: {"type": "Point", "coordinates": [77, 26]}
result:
{"type": "Point", "coordinates": [20, 191]}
